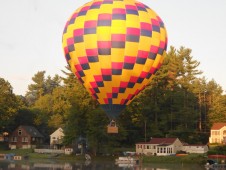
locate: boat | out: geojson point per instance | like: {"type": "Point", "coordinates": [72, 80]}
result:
{"type": "Point", "coordinates": [217, 156]}
{"type": "Point", "coordinates": [127, 160]}
{"type": "Point", "coordinates": [211, 164]}
{"type": "Point", "coordinates": [87, 157]}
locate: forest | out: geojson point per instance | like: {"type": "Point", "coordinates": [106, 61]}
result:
{"type": "Point", "coordinates": [179, 102]}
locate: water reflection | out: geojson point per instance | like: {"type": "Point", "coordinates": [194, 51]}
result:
{"type": "Point", "coordinates": [88, 165]}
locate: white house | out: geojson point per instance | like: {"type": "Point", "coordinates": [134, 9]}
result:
{"type": "Point", "coordinates": [56, 138]}
{"type": "Point", "coordinates": [195, 148]}
{"type": "Point", "coordinates": [218, 133]}
{"type": "Point", "coordinates": [159, 146]}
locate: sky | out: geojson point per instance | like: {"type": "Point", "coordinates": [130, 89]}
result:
{"type": "Point", "coordinates": [31, 34]}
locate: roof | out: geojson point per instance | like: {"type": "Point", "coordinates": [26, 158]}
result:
{"type": "Point", "coordinates": [57, 132]}
{"type": "Point", "coordinates": [160, 141]}
{"type": "Point", "coordinates": [32, 131]}
{"type": "Point", "coordinates": [218, 126]}
{"type": "Point", "coordinates": [195, 145]}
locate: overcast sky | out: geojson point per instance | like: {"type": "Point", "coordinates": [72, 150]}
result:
{"type": "Point", "coordinates": [31, 32]}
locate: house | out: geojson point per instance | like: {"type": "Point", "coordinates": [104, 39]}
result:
{"type": "Point", "coordinates": [25, 137]}
{"type": "Point", "coordinates": [218, 133]}
{"type": "Point", "coordinates": [56, 138]}
{"type": "Point", "coordinates": [4, 137]}
{"type": "Point", "coordinates": [195, 148]}
{"type": "Point", "coordinates": [159, 146]}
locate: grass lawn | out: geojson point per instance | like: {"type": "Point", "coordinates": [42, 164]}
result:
{"type": "Point", "coordinates": [191, 158]}
{"type": "Point", "coordinates": [32, 155]}
{"type": "Point", "coordinates": [49, 157]}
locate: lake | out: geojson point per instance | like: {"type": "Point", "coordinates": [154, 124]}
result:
{"type": "Point", "coordinates": [88, 165]}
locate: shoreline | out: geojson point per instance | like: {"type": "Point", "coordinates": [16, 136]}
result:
{"type": "Point", "coordinates": [33, 157]}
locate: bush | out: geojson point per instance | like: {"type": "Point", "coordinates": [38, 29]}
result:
{"type": "Point", "coordinates": [217, 150]}
{"type": "Point", "coordinates": [4, 146]}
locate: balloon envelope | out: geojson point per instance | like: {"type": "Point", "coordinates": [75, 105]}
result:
{"type": "Point", "coordinates": [114, 47]}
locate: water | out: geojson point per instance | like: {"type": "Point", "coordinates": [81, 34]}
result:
{"type": "Point", "coordinates": [87, 165]}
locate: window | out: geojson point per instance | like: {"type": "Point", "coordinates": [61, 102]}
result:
{"type": "Point", "coordinates": [224, 132]}
{"type": "Point", "coordinates": [25, 139]}
{"type": "Point", "coordinates": [19, 132]}
{"type": "Point", "coordinates": [216, 132]}
{"type": "Point", "coordinates": [14, 139]}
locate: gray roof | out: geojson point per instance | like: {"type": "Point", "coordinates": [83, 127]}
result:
{"type": "Point", "coordinates": [32, 131]}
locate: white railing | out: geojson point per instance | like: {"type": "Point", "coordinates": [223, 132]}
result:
{"type": "Point", "coordinates": [53, 151]}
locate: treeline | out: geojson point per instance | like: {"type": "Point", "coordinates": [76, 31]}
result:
{"type": "Point", "coordinates": [179, 102]}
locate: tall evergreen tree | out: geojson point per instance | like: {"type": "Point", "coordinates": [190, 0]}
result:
{"type": "Point", "coordinates": [9, 105]}
{"type": "Point", "coordinates": [216, 103]}
{"type": "Point", "coordinates": [81, 105]}
{"type": "Point", "coordinates": [37, 89]}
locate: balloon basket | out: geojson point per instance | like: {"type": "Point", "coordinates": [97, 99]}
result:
{"type": "Point", "coordinates": [112, 127]}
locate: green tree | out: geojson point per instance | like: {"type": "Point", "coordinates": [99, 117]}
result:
{"type": "Point", "coordinates": [200, 90]}
{"type": "Point", "coordinates": [37, 89]}
{"type": "Point", "coordinates": [217, 103]}
{"type": "Point", "coordinates": [52, 83]}
{"type": "Point", "coordinates": [41, 86]}
{"type": "Point", "coordinates": [25, 116]}
{"type": "Point", "coordinates": [168, 105]}
{"type": "Point", "coordinates": [53, 109]}
{"type": "Point", "coordinates": [96, 130]}
{"type": "Point", "coordinates": [9, 105]}
{"type": "Point", "coordinates": [81, 105]}
{"type": "Point", "coordinates": [187, 75]}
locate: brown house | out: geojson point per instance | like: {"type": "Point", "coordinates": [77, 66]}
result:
{"type": "Point", "coordinates": [25, 137]}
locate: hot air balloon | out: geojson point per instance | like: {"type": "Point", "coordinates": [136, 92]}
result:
{"type": "Point", "coordinates": [114, 47]}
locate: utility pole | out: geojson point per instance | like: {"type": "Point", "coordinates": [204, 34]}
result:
{"type": "Point", "coordinates": [145, 126]}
